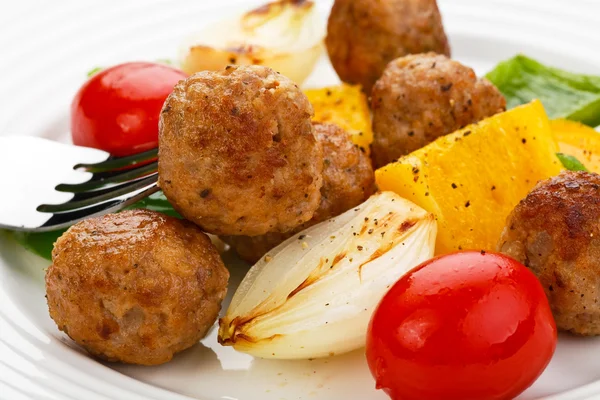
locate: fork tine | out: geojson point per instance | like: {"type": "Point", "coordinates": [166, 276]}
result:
{"type": "Point", "coordinates": [99, 196]}
{"type": "Point", "coordinates": [64, 220]}
{"type": "Point", "coordinates": [100, 180]}
{"type": "Point", "coordinates": [96, 194]}
{"type": "Point", "coordinates": [113, 163]}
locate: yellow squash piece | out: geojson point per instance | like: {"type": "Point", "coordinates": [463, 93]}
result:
{"type": "Point", "coordinates": [344, 105]}
{"type": "Point", "coordinates": [473, 178]}
{"type": "Point", "coordinates": [578, 140]}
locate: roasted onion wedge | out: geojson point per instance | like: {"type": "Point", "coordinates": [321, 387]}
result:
{"type": "Point", "coordinates": [312, 296]}
{"type": "Point", "coordinates": [286, 35]}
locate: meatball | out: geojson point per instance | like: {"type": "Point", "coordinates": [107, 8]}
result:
{"type": "Point", "coordinates": [348, 180]}
{"type": "Point", "coordinates": [555, 232]}
{"type": "Point", "coordinates": [363, 36]}
{"type": "Point", "coordinates": [422, 97]}
{"type": "Point", "coordinates": [135, 287]}
{"type": "Point", "coordinates": [237, 152]}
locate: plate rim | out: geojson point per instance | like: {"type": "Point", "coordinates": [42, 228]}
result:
{"type": "Point", "coordinates": [7, 318]}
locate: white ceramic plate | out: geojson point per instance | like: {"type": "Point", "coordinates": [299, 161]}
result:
{"type": "Point", "coordinates": [46, 48]}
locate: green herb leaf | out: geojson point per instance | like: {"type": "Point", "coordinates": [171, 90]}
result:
{"type": "Point", "coordinates": [564, 94]}
{"type": "Point", "coordinates": [94, 71]}
{"type": "Point", "coordinates": [38, 243]}
{"type": "Point", "coordinates": [42, 243]}
{"type": "Point", "coordinates": [570, 162]}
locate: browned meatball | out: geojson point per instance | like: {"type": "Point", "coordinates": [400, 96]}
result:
{"type": "Point", "coordinates": [348, 180]}
{"type": "Point", "coordinates": [422, 97]}
{"type": "Point", "coordinates": [555, 232]}
{"type": "Point", "coordinates": [238, 154]}
{"type": "Point", "coordinates": [135, 287]}
{"type": "Point", "coordinates": [363, 36]}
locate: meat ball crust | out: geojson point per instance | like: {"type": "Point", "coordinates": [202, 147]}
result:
{"type": "Point", "coordinates": [363, 36]}
{"type": "Point", "coordinates": [422, 97]}
{"type": "Point", "coordinates": [348, 180]}
{"type": "Point", "coordinates": [237, 152]}
{"type": "Point", "coordinates": [348, 177]}
{"type": "Point", "coordinates": [555, 232]}
{"type": "Point", "coordinates": [135, 287]}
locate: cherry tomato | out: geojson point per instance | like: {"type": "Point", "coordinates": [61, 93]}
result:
{"type": "Point", "coordinates": [117, 110]}
{"type": "Point", "coordinates": [468, 325]}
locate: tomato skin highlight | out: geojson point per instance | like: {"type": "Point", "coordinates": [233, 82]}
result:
{"type": "Point", "coordinates": [468, 325]}
{"type": "Point", "coordinates": [117, 110]}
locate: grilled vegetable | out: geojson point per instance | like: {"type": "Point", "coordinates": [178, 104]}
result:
{"type": "Point", "coordinates": [346, 106]}
{"type": "Point", "coordinates": [286, 35]}
{"type": "Point", "coordinates": [473, 178]}
{"type": "Point", "coordinates": [313, 295]}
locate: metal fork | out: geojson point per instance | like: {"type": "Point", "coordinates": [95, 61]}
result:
{"type": "Point", "coordinates": [46, 185]}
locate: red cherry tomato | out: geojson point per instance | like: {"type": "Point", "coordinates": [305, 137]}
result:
{"type": "Point", "coordinates": [117, 110]}
{"type": "Point", "coordinates": [462, 326]}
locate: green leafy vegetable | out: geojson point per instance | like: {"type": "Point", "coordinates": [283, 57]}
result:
{"type": "Point", "coordinates": [42, 243]}
{"type": "Point", "coordinates": [564, 94]}
{"type": "Point", "coordinates": [38, 243]}
{"type": "Point", "coordinates": [570, 162]}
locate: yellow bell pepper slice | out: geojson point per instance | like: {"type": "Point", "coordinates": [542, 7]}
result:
{"type": "Point", "coordinates": [473, 178]}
